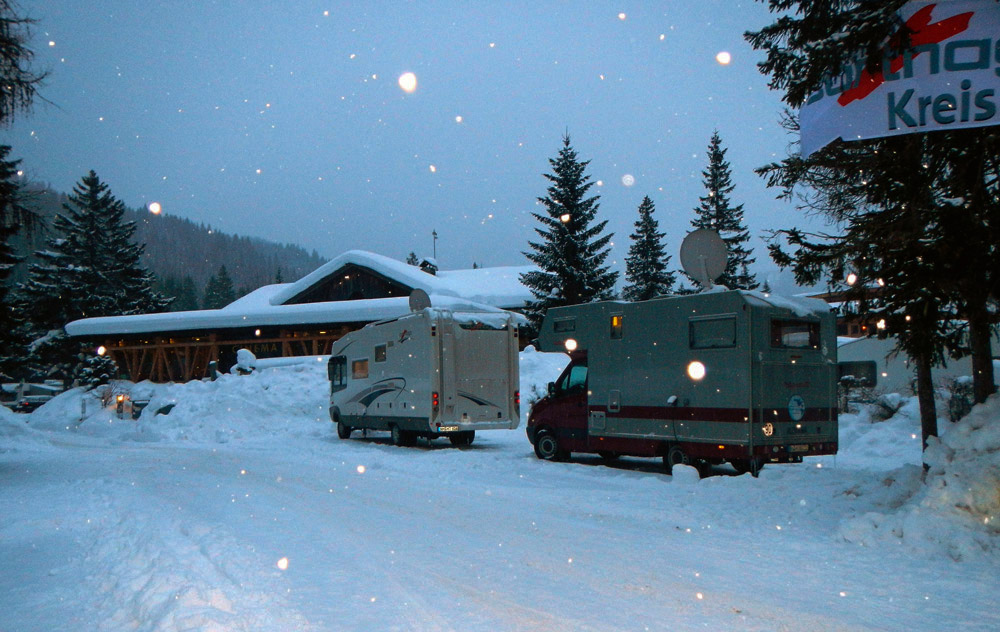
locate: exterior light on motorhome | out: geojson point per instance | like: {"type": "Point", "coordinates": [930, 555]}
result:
{"type": "Point", "coordinates": [696, 370]}
{"type": "Point", "coordinates": [852, 279]}
{"type": "Point", "coordinates": [101, 350]}
{"type": "Point", "coordinates": [570, 344]}
{"type": "Point", "coordinates": [435, 400]}
{"type": "Point", "coordinates": [257, 333]}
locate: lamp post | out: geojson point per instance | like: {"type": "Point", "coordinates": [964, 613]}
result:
{"type": "Point", "coordinates": [434, 234]}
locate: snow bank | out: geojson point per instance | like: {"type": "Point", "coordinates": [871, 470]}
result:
{"type": "Point", "coordinates": [956, 511]}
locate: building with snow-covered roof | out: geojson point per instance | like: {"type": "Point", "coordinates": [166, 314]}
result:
{"type": "Point", "coordinates": [293, 319]}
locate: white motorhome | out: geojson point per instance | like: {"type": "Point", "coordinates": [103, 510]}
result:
{"type": "Point", "coordinates": [883, 369]}
{"type": "Point", "coordinates": [432, 373]}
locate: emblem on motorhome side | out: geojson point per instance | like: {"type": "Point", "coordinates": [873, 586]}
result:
{"type": "Point", "coordinates": [796, 408]}
{"type": "Point", "coordinates": [404, 336]}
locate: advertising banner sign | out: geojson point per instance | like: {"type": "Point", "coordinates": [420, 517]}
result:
{"type": "Point", "coordinates": [948, 79]}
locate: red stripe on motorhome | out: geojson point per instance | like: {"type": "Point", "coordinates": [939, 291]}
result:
{"type": "Point", "coordinates": [725, 415]}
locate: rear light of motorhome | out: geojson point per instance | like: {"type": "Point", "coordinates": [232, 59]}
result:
{"type": "Point", "coordinates": [517, 398]}
{"type": "Point", "coordinates": [435, 400]}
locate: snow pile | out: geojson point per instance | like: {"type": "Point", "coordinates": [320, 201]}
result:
{"type": "Point", "coordinates": [956, 511]}
{"type": "Point", "coordinates": [286, 401]}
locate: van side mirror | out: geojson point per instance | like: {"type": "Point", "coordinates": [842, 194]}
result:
{"type": "Point", "coordinates": [552, 388]}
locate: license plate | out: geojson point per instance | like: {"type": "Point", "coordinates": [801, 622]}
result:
{"type": "Point", "coordinates": [798, 448]}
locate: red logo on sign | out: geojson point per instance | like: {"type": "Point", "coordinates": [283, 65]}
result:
{"type": "Point", "coordinates": [921, 32]}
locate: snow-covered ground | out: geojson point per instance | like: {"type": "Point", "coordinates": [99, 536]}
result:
{"type": "Point", "coordinates": [239, 509]}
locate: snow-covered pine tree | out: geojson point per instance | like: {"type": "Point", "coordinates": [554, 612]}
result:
{"type": "Point", "coordinates": [412, 259]}
{"type": "Point", "coordinates": [219, 290]}
{"type": "Point", "coordinates": [646, 264]}
{"type": "Point", "coordinates": [716, 213]}
{"type": "Point", "coordinates": [14, 215]}
{"type": "Point", "coordinates": [571, 253]}
{"type": "Point", "coordinates": [90, 267]}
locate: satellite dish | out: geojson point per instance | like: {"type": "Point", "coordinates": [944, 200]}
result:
{"type": "Point", "coordinates": [704, 256]}
{"type": "Point", "coordinates": [419, 300]}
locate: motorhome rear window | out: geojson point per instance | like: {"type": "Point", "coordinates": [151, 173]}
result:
{"type": "Point", "coordinates": [712, 333]}
{"type": "Point", "coordinates": [863, 371]}
{"type": "Point", "coordinates": [564, 324]}
{"type": "Point", "coordinates": [795, 334]}
{"type": "Point", "coordinates": [359, 369]}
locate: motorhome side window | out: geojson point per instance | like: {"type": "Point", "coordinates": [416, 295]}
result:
{"type": "Point", "coordinates": [712, 333]}
{"type": "Point", "coordinates": [338, 372]}
{"type": "Point", "coordinates": [616, 326]}
{"type": "Point", "coordinates": [795, 334]}
{"type": "Point", "coordinates": [564, 324]}
{"type": "Point", "coordinates": [359, 369]}
{"type": "Point", "coordinates": [380, 353]}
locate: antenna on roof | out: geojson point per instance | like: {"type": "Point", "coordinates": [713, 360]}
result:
{"type": "Point", "coordinates": [703, 256]}
{"type": "Point", "coordinates": [419, 300]}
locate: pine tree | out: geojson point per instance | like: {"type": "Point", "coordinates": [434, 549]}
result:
{"type": "Point", "coordinates": [20, 82]}
{"type": "Point", "coordinates": [14, 215]}
{"type": "Point", "coordinates": [647, 260]}
{"type": "Point", "coordinates": [219, 291]}
{"type": "Point", "coordinates": [90, 267]}
{"type": "Point", "coordinates": [919, 215]}
{"type": "Point", "coordinates": [571, 253]}
{"type": "Point", "coordinates": [412, 259]}
{"type": "Point", "coordinates": [716, 213]}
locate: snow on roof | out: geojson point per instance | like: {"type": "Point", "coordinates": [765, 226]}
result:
{"type": "Point", "coordinates": [499, 287]}
{"type": "Point", "coordinates": [365, 310]}
{"type": "Point", "coordinates": [798, 305]}
{"type": "Point", "coordinates": [482, 289]}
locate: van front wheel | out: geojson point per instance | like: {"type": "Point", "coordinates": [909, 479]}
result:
{"type": "Point", "coordinates": [343, 430]}
{"type": "Point", "coordinates": [547, 447]}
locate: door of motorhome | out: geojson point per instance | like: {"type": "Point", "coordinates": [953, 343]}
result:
{"type": "Point", "coordinates": [431, 373]}
{"type": "Point", "coordinates": [719, 376]}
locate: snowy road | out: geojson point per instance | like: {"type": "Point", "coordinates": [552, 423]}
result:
{"type": "Point", "coordinates": [100, 533]}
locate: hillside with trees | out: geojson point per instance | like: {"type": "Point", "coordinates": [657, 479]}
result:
{"type": "Point", "coordinates": [184, 255]}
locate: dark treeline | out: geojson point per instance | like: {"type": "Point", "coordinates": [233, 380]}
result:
{"type": "Point", "coordinates": [183, 253]}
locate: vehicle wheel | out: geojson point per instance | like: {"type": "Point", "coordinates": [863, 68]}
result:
{"type": "Point", "coordinates": [402, 438]}
{"type": "Point", "coordinates": [547, 447]}
{"type": "Point", "coordinates": [608, 456]}
{"type": "Point", "coordinates": [674, 456]}
{"type": "Point", "coordinates": [462, 439]}
{"type": "Point", "coordinates": [742, 466]}
{"type": "Point", "coordinates": [343, 430]}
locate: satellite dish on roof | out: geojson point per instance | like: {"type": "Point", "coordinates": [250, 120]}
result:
{"type": "Point", "coordinates": [704, 256]}
{"type": "Point", "coordinates": [419, 300]}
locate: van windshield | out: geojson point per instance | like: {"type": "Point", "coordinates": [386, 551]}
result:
{"type": "Point", "coordinates": [574, 379]}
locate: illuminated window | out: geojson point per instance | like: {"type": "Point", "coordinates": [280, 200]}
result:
{"type": "Point", "coordinates": [359, 369]}
{"type": "Point", "coordinates": [616, 326]}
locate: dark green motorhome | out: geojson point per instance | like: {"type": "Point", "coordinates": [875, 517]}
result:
{"type": "Point", "coordinates": [733, 376]}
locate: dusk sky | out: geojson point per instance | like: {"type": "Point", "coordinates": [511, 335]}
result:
{"type": "Point", "coordinates": [287, 120]}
